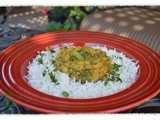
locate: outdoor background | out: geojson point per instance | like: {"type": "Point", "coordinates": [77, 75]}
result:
{"type": "Point", "coordinates": [37, 17]}
{"type": "Point", "coordinates": [26, 17]}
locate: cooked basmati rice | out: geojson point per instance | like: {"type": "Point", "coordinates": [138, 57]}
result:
{"type": "Point", "coordinates": [40, 82]}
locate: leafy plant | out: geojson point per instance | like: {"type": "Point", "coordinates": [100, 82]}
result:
{"type": "Point", "coordinates": [57, 26]}
{"type": "Point", "coordinates": [69, 25]}
{"type": "Point", "coordinates": [78, 13]}
{"type": "Point", "coordinates": [57, 10]}
{"type": "Point", "coordinates": [74, 15]}
{"type": "Point", "coordinates": [54, 26]}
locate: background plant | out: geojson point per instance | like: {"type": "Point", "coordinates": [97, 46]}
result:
{"type": "Point", "coordinates": [57, 26]}
{"type": "Point", "coordinates": [73, 14]}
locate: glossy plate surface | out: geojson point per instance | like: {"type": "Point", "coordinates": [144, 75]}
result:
{"type": "Point", "coordinates": [13, 62]}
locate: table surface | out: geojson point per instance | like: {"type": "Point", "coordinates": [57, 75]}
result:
{"type": "Point", "coordinates": [9, 36]}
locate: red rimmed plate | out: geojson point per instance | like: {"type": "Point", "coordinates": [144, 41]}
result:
{"type": "Point", "coordinates": [13, 62]}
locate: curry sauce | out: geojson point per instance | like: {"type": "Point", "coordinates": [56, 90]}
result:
{"type": "Point", "coordinates": [84, 63]}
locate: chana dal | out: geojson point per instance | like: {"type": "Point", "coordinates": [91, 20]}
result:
{"type": "Point", "coordinates": [84, 63]}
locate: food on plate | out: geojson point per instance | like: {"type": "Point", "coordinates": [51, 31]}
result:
{"type": "Point", "coordinates": [81, 72]}
{"type": "Point", "coordinates": [84, 63]}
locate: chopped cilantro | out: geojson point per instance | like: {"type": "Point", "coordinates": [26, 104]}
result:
{"type": "Point", "coordinates": [44, 73]}
{"type": "Point", "coordinates": [65, 94]}
{"type": "Point", "coordinates": [53, 79]}
{"type": "Point", "coordinates": [51, 50]}
{"type": "Point", "coordinates": [40, 60]}
{"type": "Point", "coordinates": [53, 61]}
{"type": "Point", "coordinates": [114, 76]}
{"type": "Point", "coordinates": [41, 54]}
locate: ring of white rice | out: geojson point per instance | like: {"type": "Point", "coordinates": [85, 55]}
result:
{"type": "Point", "coordinates": [128, 75]}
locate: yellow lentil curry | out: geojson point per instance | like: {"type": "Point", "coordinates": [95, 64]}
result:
{"type": "Point", "coordinates": [84, 63]}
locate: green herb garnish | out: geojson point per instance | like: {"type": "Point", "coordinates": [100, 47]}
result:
{"type": "Point", "coordinates": [85, 54]}
{"type": "Point", "coordinates": [120, 58]}
{"type": "Point", "coordinates": [40, 60]}
{"type": "Point", "coordinates": [53, 79]}
{"type": "Point", "coordinates": [51, 50]}
{"type": "Point", "coordinates": [65, 47]}
{"type": "Point", "coordinates": [55, 69]}
{"type": "Point", "coordinates": [53, 61]}
{"type": "Point", "coordinates": [57, 83]}
{"type": "Point", "coordinates": [85, 73]}
{"type": "Point", "coordinates": [65, 94]}
{"type": "Point", "coordinates": [41, 54]}
{"type": "Point", "coordinates": [44, 73]}
{"type": "Point", "coordinates": [117, 66]}
{"type": "Point", "coordinates": [78, 56]}
{"type": "Point", "coordinates": [114, 76]}
{"type": "Point", "coordinates": [96, 56]}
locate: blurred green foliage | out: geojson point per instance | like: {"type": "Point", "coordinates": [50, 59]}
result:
{"type": "Point", "coordinates": [73, 14]}
{"type": "Point", "coordinates": [57, 26]}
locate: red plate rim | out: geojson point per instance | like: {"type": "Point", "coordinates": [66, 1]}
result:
{"type": "Point", "coordinates": [15, 56]}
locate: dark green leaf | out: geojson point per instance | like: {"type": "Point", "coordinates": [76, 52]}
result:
{"type": "Point", "coordinates": [52, 50]}
{"type": "Point", "coordinates": [53, 61]}
{"type": "Point", "coordinates": [55, 69]}
{"type": "Point", "coordinates": [120, 57]}
{"type": "Point", "coordinates": [65, 94]}
{"type": "Point", "coordinates": [40, 60]}
{"type": "Point", "coordinates": [41, 54]}
{"type": "Point", "coordinates": [117, 66]}
{"type": "Point", "coordinates": [84, 74]}
{"type": "Point", "coordinates": [85, 54]}
{"type": "Point", "coordinates": [114, 76]}
{"type": "Point", "coordinates": [57, 83]}
{"type": "Point", "coordinates": [52, 77]}
{"type": "Point", "coordinates": [44, 73]}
